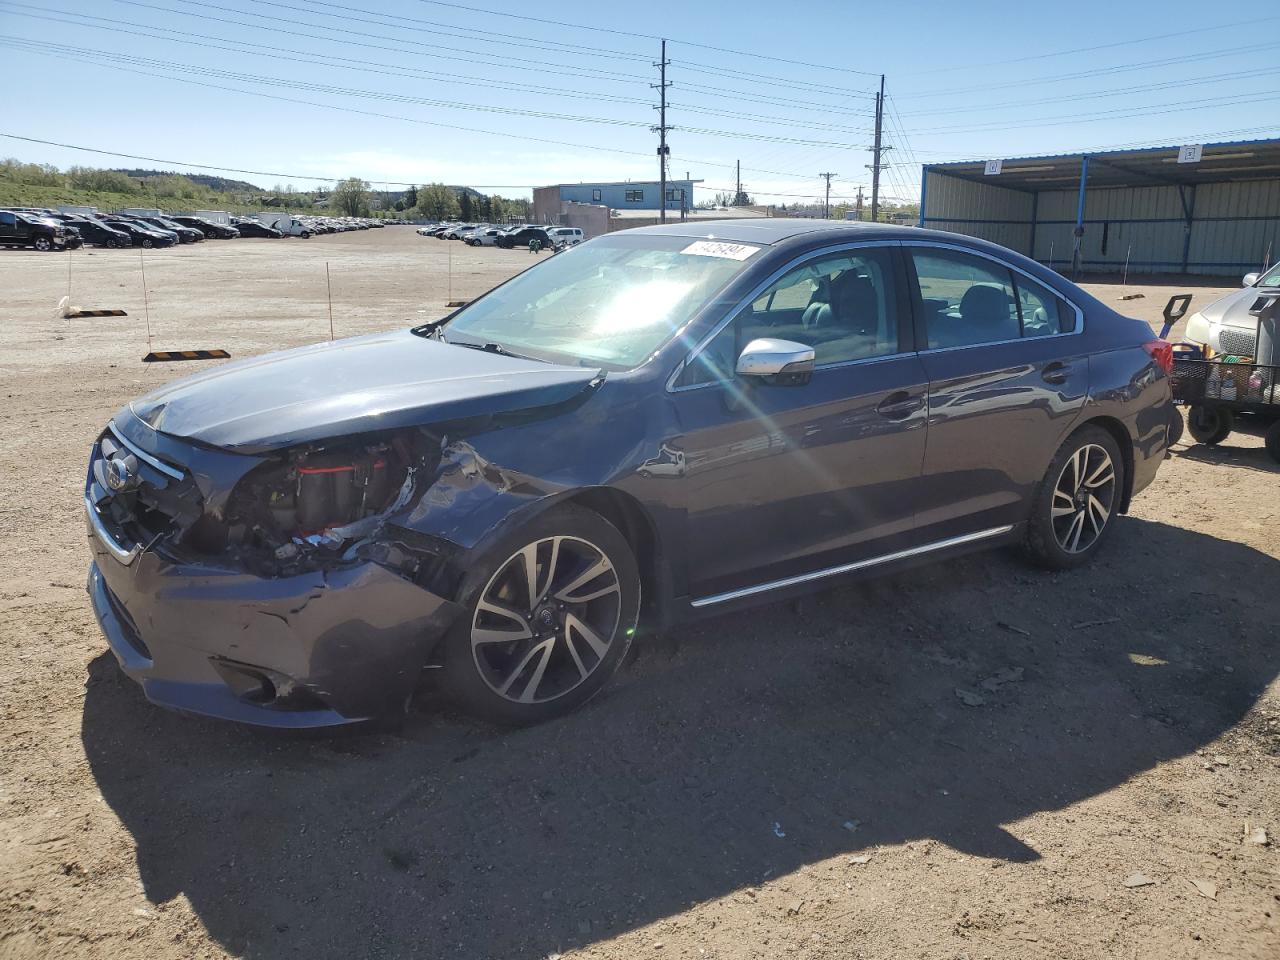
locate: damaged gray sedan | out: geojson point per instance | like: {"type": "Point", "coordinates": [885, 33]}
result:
{"type": "Point", "coordinates": [655, 425]}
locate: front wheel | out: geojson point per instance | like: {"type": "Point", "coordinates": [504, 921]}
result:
{"type": "Point", "coordinates": [146, 242]}
{"type": "Point", "coordinates": [1210, 425]}
{"type": "Point", "coordinates": [1272, 441]}
{"type": "Point", "coordinates": [551, 612]}
{"type": "Point", "coordinates": [43, 244]}
{"type": "Point", "coordinates": [1078, 498]}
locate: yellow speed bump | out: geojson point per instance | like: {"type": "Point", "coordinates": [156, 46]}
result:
{"type": "Point", "coordinates": [167, 356]}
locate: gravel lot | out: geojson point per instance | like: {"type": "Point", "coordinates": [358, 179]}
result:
{"type": "Point", "coordinates": [802, 780]}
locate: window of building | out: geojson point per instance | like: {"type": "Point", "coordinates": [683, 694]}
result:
{"type": "Point", "coordinates": [595, 194]}
{"type": "Point", "coordinates": [843, 305]}
{"type": "Point", "coordinates": [635, 196]}
{"type": "Point", "coordinates": [672, 196]}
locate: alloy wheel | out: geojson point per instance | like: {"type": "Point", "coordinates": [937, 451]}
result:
{"type": "Point", "coordinates": [546, 620]}
{"type": "Point", "coordinates": [1083, 498]}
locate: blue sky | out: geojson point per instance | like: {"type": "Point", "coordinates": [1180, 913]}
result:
{"type": "Point", "coordinates": [418, 91]}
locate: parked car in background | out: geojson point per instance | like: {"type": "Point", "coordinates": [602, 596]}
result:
{"type": "Point", "coordinates": [141, 234]}
{"type": "Point", "coordinates": [483, 238]}
{"type": "Point", "coordinates": [287, 224]}
{"type": "Point", "coordinates": [95, 231]}
{"type": "Point", "coordinates": [211, 230]}
{"type": "Point", "coordinates": [252, 228]}
{"type": "Point", "coordinates": [27, 230]}
{"type": "Point", "coordinates": [662, 425]}
{"type": "Point", "coordinates": [185, 234]}
{"type": "Point", "coordinates": [562, 237]}
{"type": "Point", "coordinates": [521, 238]}
{"type": "Point", "coordinates": [1226, 325]}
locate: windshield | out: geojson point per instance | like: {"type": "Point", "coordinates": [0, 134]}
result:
{"type": "Point", "coordinates": [1271, 278]}
{"type": "Point", "coordinates": [612, 301]}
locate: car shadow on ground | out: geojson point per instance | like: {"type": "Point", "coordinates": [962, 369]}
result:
{"type": "Point", "coordinates": [942, 703]}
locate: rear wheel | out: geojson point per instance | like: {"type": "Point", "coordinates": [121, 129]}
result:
{"type": "Point", "coordinates": [1077, 500]}
{"type": "Point", "coordinates": [146, 242]}
{"type": "Point", "coordinates": [1175, 426]}
{"type": "Point", "coordinates": [551, 611]}
{"type": "Point", "coordinates": [1210, 425]}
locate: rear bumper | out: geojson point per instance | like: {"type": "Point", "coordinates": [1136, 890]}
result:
{"type": "Point", "coordinates": [315, 650]}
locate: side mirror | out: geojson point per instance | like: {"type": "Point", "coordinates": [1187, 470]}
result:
{"type": "Point", "coordinates": [780, 362]}
{"type": "Point", "coordinates": [1250, 279]}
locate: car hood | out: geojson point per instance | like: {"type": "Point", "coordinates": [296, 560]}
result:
{"type": "Point", "coordinates": [1233, 308]}
{"type": "Point", "coordinates": [351, 386]}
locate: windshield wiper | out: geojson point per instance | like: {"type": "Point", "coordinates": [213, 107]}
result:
{"type": "Point", "coordinates": [489, 347]}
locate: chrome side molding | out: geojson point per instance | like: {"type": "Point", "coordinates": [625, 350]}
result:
{"type": "Point", "coordinates": [850, 567]}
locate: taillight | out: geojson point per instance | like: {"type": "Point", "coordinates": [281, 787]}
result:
{"type": "Point", "coordinates": [1161, 351]}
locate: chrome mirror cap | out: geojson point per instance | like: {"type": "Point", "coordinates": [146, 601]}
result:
{"type": "Point", "coordinates": [768, 357]}
{"type": "Point", "coordinates": [1250, 279]}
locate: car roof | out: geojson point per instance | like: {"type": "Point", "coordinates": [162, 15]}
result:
{"type": "Point", "coordinates": [771, 230]}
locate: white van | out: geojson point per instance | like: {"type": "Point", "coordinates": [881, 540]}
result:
{"type": "Point", "coordinates": [286, 223]}
{"type": "Point", "coordinates": [566, 236]}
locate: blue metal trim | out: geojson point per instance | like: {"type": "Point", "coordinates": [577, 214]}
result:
{"type": "Point", "coordinates": [1079, 231]}
{"type": "Point", "coordinates": [1190, 206]}
{"type": "Point", "coordinates": [1108, 153]}
{"type": "Point", "coordinates": [1035, 212]}
{"type": "Point", "coordinates": [924, 220]}
{"type": "Point", "coordinates": [924, 177]}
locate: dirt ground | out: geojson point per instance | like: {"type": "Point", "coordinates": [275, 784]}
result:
{"type": "Point", "coordinates": [800, 781]}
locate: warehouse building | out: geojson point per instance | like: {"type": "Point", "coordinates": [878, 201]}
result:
{"type": "Point", "coordinates": [1211, 209]}
{"type": "Point", "coordinates": [549, 202]}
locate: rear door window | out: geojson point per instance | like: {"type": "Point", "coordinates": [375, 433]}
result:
{"type": "Point", "coordinates": [966, 299]}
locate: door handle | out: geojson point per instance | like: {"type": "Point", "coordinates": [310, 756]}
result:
{"type": "Point", "coordinates": [899, 405]}
{"type": "Point", "coordinates": [1056, 372]}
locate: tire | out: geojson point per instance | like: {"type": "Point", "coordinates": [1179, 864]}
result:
{"type": "Point", "coordinates": [43, 244]}
{"type": "Point", "coordinates": [1210, 425]}
{"type": "Point", "coordinates": [1075, 506]}
{"type": "Point", "coordinates": [569, 635]}
{"type": "Point", "coordinates": [1176, 426]}
{"type": "Point", "coordinates": [146, 242]}
{"type": "Point", "coordinates": [1272, 441]}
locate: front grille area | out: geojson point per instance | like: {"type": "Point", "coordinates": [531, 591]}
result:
{"type": "Point", "coordinates": [1236, 342]}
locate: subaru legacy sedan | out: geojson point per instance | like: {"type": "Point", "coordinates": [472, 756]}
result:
{"type": "Point", "coordinates": [655, 425]}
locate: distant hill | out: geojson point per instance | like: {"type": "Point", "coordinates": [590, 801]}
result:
{"type": "Point", "coordinates": [220, 184]}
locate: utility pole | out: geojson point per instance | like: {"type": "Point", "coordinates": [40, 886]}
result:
{"type": "Point", "coordinates": [859, 202]}
{"type": "Point", "coordinates": [738, 193]}
{"type": "Point", "coordinates": [826, 203]}
{"type": "Point", "coordinates": [661, 130]}
{"type": "Point", "coordinates": [878, 152]}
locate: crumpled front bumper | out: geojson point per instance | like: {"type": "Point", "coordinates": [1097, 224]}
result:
{"type": "Point", "coordinates": [314, 650]}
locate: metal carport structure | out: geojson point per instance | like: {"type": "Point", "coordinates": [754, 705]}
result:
{"type": "Point", "coordinates": [1209, 209]}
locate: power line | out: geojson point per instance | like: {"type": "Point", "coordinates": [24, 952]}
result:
{"type": "Point", "coordinates": [1147, 110]}
{"type": "Point", "coordinates": [1038, 56]}
{"type": "Point", "coordinates": [135, 29]}
{"type": "Point", "coordinates": [1098, 94]}
{"type": "Point", "coordinates": [629, 33]}
{"type": "Point", "coordinates": [1162, 63]}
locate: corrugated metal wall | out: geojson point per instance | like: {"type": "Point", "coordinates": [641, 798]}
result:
{"type": "Point", "coordinates": [1235, 226]}
{"type": "Point", "coordinates": [989, 212]}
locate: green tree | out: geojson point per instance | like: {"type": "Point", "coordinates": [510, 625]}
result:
{"type": "Point", "coordinates": [498, 208]}
{"type": "Point", "coordinates": [465, 205]}
{"type": "Point", "coordinates": [410, 198]}
{"type": "Point", "coordinates": [437, 202]}
{"type": "Point", "coordinates": [351, 197]}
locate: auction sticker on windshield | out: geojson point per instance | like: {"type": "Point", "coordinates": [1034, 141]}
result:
{"type": "Point", "coordinates": [718, 248]}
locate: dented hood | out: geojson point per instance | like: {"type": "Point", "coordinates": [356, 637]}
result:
{"type": "Point", "coordinates": [351, 386]}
